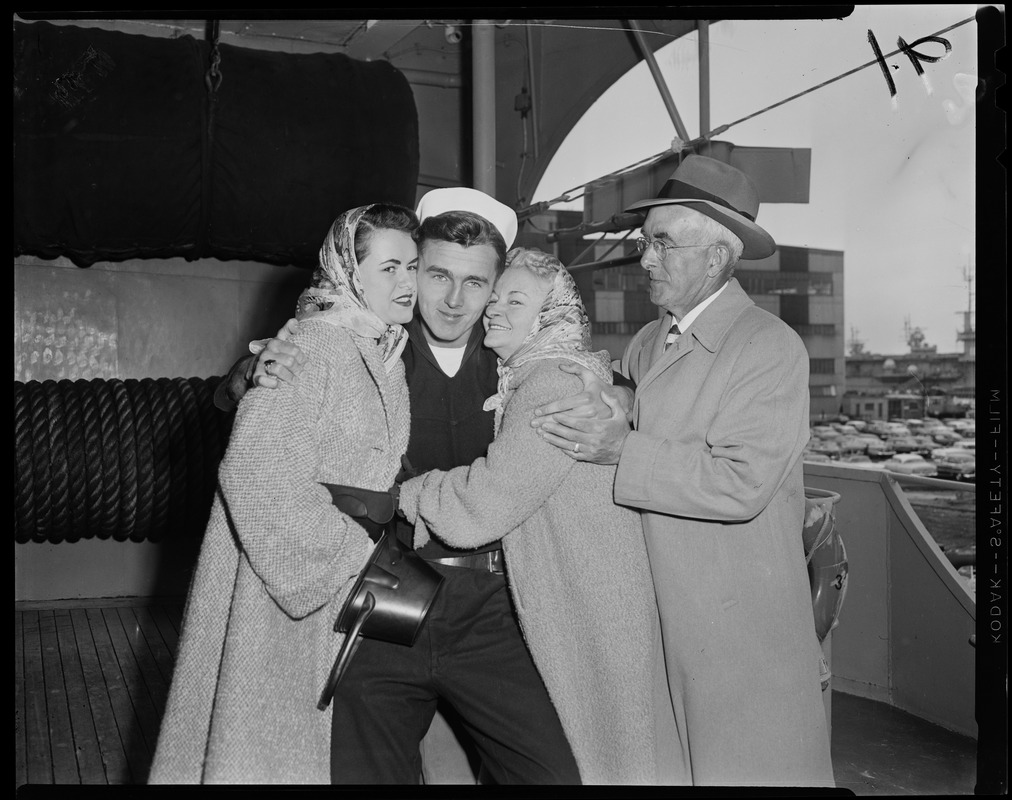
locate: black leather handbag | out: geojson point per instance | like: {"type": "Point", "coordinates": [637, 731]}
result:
{"type": "Point", "coordinates": [394, 591]}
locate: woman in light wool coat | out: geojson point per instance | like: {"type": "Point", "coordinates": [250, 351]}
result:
{"type": "Point", "coordinates": [278, 559]}
{"type": "Point", "coordinates": [576, 563]}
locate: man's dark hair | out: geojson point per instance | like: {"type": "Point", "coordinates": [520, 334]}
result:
{"type": "Point", "coordinates": [383, 216]}
{"type": "Point", "coordinates": [465, 229]}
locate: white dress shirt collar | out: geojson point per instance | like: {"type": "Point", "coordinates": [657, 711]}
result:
{"type": "Point", "coordinates": [686, 321]}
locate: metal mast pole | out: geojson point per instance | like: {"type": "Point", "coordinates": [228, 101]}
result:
{"type": "Point", "coordinates": [662, 86]}
{"type": "Point", "coordinates": [703, 27]}
{"type": "Point", "coordinates": [483, 105]}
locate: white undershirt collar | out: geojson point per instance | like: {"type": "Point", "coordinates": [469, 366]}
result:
{"type": "Point", "coordinates": [449, 358]}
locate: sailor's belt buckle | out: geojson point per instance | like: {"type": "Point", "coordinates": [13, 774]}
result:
{"type": "Point", "coordinates": [490, 561]}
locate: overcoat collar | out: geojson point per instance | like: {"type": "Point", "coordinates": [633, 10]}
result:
{"type": "Point", "coordinates": [372, 357]}
{"type": "Point", "coordinates": [708, 330]}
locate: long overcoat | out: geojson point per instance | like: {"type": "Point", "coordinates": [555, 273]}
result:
{"type": "Point", "coordinates": [276, 564]}
{"type": "Point", "coordinates": [714, 464]}
{"type": "Point", "coordinates": [578, 574]}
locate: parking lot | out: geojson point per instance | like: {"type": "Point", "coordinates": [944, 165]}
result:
{"type": "Point", "coordinates": [943, 449]}
{"type": "Point", "coordinates": [930, 448]}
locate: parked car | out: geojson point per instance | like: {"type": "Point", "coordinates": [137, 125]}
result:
{"type": "Point", "coordinates": [946, 437]}
{"type": "Point", "coordinates": [859, 424]}
{"type": "Point", "coordinates": [811, 457]}
{"type": "Point", "coordinates": [824, 432]}
{"type": "Point", "coordinates": [904, 444]}
{"type": "Point", "coordinates": [958, 466]}
{"type": "Point", "coordinates": [827, 447]}
{"type": "Point", "coordinates": [860, 460]}
{"type": "Point", "coordinates": [962, 425]}
{"type": "Point", "coordinates": [852, 444]}
{"type": "Point", "coordinates": [941, 453]}
{"type": "Point", "coordinates": [880, 449]}
{"type": "Point", "coordinates": [925, 444]}
{"type": "Point", "coordinates": [878, 427]}
{"type": "Point", "coordinates": [910, 464]}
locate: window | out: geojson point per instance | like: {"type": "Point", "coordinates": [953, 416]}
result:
{"type": "Point", "coordinates": [620, 328]}
{"type": "Point", "coordinates": [814, 330]}
{"type": "Point", "coordinates": [822, 366]}
{"type": "Point", "coordinates": [760, 281]}
{"type": "Point", "coordinates": [793, 259]}
{"type": "Point", "coordinates": [794, 309]}
{"type": "Point", "coordinates": [625, 278]}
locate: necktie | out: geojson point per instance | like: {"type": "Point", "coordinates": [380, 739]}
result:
{"type": "Point", "coordinates": [673, 334]}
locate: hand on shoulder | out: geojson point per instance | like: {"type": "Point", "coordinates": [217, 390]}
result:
{"type": "Point", "coordinates": [280, 359]}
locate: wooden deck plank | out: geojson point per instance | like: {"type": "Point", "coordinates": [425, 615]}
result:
{"type": "Point", "coordinates": [118, 688]}
{"type": "Point", "coordinates": [147, 715]}
{"type": "Point", "coordinates": [169, 619]}
{"type": "Point", "coordinates": [153, 658]}
{"type": "Point", "coordinates": [84, 743]}
{"type": "Point", "coordinates": [20, 735]}
{"type": "Point", "coordinates": [61, 734]}
{"type": "Point", "coordinates": [117, 769]}
{"type": "Point", "coordinates": [37, 756]}
{"type": "Point", "coordinates": [163, 657]}
{"type": "Point", "coordinates": [95, 602]}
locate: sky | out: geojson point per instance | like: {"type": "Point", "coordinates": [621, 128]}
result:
{"type": "Point", "coordinates": [893, 177]}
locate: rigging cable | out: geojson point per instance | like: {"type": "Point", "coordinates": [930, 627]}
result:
{"type": "Point", "coordinates": [568, 196]}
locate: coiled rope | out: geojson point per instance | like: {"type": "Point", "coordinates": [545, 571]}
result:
{"type": "Point", "coordinates": [123, 459]}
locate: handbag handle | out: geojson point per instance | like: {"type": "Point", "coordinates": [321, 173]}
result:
{"type": "Point", "coordinates": [348, 648]}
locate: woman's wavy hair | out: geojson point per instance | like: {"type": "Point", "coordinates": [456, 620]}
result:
{"type": "Point", "coordinates": [383, 216]}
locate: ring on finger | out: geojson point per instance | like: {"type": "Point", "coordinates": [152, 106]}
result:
{"type": "Point", "coordinates": [267, 366]}
{"type": "Point", "coordinates": [576, 448]}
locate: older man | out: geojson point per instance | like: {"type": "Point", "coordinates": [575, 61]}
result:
{"type": "Point", "coordinates": [471, 654]}
{"type": "Point", "coordinates": [711, 455]}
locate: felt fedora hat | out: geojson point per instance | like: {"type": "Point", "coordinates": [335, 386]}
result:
{"type": "Point", "coordinates": [721, 192]}
{"type": "Point", "coordinates": [462, 198]}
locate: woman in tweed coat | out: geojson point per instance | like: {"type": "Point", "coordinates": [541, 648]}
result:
{"type": "Point", "coordinates": [278, 559]}
{"type": "Point", "coordinates": [576, 562]}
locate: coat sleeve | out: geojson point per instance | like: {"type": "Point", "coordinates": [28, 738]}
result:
{"type": "Point", "coordinates": [301, 547]}
{"type": "Point", "coordinates": [235, 384]}
{"type": "Point", "coordinates": [628, 365]}
{"type": "Point", "coordinates": [730, 471]}
{"type": "Point", "coordinates": [473, 505]}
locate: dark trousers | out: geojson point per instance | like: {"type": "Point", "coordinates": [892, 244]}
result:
{"type": "Point", "coordinates": [471, 654]}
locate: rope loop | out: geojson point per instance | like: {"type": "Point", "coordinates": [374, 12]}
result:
{"type": "Point", "coordinates": [212, 78]}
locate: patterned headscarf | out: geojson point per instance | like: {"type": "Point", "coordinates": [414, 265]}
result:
{"type": "Point", "coordinates": [335, 294]}
{"type": "Point", "coordinates": [561, 329]}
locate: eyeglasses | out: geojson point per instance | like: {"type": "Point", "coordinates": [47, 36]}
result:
{"type": "Point", "coordinates": [660, 249]}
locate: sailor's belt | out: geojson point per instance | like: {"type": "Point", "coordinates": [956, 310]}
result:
{"type": "Point", "coordinates": [490, 561]}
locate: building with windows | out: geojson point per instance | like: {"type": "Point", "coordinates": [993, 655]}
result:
{"type": "Point", "coordinates": [804, 287]}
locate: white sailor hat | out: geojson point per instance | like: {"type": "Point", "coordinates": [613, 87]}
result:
{"type": "Point", "coordinates": [461, 198]}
